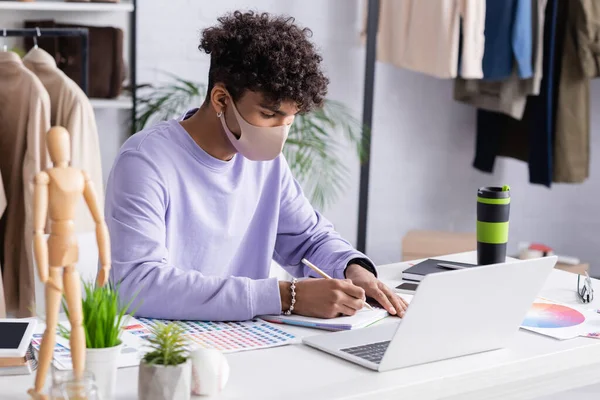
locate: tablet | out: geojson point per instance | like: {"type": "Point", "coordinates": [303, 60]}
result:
{"type": "Point", "coordinates": [15, 336]}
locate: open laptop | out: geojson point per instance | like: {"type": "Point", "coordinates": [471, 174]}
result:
{"type": "Point", "coordinates": [453, 313]}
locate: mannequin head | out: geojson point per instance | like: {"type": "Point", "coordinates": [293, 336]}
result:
{"type": "Point", "coordinates": [59, 146]}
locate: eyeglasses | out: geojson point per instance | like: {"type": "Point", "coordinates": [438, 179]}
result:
{"type": "Point", "coordinates": [585, 293]}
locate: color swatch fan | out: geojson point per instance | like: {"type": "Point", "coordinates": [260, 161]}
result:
{"type": "Point", "coordinates": [545, 315]}
{"type": "Point", "coordinates": [556, 320]}
{"type": "Point", "coordinates": [227, 337]}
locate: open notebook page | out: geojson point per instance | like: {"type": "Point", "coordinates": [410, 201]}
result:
{"type": "Point", "coordinates": [363, 318]}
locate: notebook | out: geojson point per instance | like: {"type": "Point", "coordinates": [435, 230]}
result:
{"type": "Point", "coordinates": [361, 319]}
{"type": "Point", "coordinates": [429, 266]}
{"type": "Point", "coordinates": [19, 365]}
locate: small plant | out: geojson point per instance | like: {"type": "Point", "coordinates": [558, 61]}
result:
{"type": "Point", "coordinates": [168, 345]}
{"type": "Point", "coordinates": [103, 316]}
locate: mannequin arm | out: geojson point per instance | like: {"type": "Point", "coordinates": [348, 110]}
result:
{"type": "Point", "coordinates": [101, 231]}
{"type": "Point", "coordinates": [40, 212]}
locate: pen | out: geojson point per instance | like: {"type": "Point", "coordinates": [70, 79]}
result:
{"type": "Point", "coordinates": [451, 266]}
{"type": "Point", "coordinates": [324, 275]}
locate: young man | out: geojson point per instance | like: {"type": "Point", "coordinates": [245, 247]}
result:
{"type": "Point", "coordinates": [198, 208]}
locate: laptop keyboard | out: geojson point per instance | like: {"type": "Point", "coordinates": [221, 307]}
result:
{"type": "Point", "coordinates": [371, 352]}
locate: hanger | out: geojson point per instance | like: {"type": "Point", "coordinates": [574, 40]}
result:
{"type": "Point", "coordinates": [35, 38]}
{"type": "Point", "coordinates": [5, 47]}
{"type": "Point", "coordinates": [37, 54]}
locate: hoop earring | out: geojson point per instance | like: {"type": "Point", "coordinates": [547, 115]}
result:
{"type": "Point", "coordinates": [219, 114]}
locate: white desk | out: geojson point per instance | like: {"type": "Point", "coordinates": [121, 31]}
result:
{"type": "Point", "coordinates": [532, 366]}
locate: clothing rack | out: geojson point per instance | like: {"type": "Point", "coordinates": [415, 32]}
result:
{"type": "Point", "coordinates": [39, 32]}
{"type": "Point", "coordinates": [367, 118]}
{"type": "Point", "coordinates": [133, 63]}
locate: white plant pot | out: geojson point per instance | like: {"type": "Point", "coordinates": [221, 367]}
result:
{"type": "Point", "coordinates": [160, 382]}
{"type": "Point", "coordinates": [103, 364]}
{"type": "Point", "coordinates": [210, 372]}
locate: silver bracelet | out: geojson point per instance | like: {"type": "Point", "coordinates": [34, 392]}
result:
{"type": "Point", "coordinates": [293, 289]}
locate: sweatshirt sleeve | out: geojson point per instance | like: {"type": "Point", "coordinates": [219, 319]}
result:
{"type": "Point", "coordinates": [472, 13]}
{"type": "Point", "coordinates": [136, 204]}
{"type": "Point", "coordinates": [304, 233]}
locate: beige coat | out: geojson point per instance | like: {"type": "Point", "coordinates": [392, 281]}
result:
{"type": "Point", "coordinates": [580, 62]}
{"type": "Point", "coordinates": [24, 122]}
{"type": "Point", "coordinates": [423, 36]}
{"type": "Point", "coordinates": [71, 109]}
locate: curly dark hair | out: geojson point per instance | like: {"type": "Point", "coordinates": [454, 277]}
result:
{"type": "Point", "coordinates": [267, 54]}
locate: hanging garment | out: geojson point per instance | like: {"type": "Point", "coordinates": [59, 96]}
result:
{"type": "Point", "coordinates": [107, 70]}
{"type": "Point", "coordinates": [509, 96]}
{"type": "Point", "coordinates": [425, 36]}
{"type": "Point", "coordinates": [530, 139]}
{"type": "Point", "coordinates": [24, 123]}
{"type": "Point", "coordinates": [2, 208]}
{"type": "Point", "coordinates": [508, 38]}
{"type": "Point", "coordinates": [586, 21]}
{"type": "Point", "coordinates": [580, 62]}
{"type": "Point", "coordinates": [71, 109]}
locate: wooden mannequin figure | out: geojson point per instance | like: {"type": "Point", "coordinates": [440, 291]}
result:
{"type": "Point", "coordinates": [57, 192]}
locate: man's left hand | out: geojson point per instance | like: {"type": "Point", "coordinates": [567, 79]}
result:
{"type": "Point", "coordinates": [376, 289]}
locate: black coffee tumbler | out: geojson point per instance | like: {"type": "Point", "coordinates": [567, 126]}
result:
{"type": "Point", "coordinates": [493, 208]}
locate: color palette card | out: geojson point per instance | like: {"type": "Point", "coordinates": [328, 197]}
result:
{"type": "Point", "coordinates": [227, 337]}
{"type": "Point", "coordinates": [130, 356]}
{"type": "Point", "coordinates": [62, 353]}
{"type": "Point", "coordinates": [559, 321]}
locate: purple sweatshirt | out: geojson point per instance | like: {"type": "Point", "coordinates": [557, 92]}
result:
{"type": "Point", "coordinates": [194, 236]}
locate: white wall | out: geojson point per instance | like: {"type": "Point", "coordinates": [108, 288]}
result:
{"type": "Point", "coordinates": [422, 175]}
{"type": "Point", "coordinates": [423, 144]}
{"type": "Point", "coordinates": [423, 141]}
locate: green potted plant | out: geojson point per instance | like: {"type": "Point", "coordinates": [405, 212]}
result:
{"type": "Point", "coordinates": [166, 370]}
{"type": "Point", "coordinates": [103, 318]}
{"type": "Point", "coordinates": [314, 144]}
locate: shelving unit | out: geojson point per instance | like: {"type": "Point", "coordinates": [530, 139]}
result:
{"type": "Point", "coordinates": [126, 102]}
{"type": "Point", "coordinates": [66, 6]}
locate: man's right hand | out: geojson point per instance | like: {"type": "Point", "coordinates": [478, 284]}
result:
{"type": "Point", "coordinates": [324, 298]}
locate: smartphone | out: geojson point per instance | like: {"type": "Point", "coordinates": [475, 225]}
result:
{"type": "Point", "coordinates": [407, 287]}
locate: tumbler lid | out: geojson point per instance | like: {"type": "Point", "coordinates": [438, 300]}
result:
{"type": "Point", "coordinates": [494, 192]}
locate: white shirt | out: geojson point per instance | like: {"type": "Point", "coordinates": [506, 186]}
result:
{"type": "Point", "coordinates": [423, 36]}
